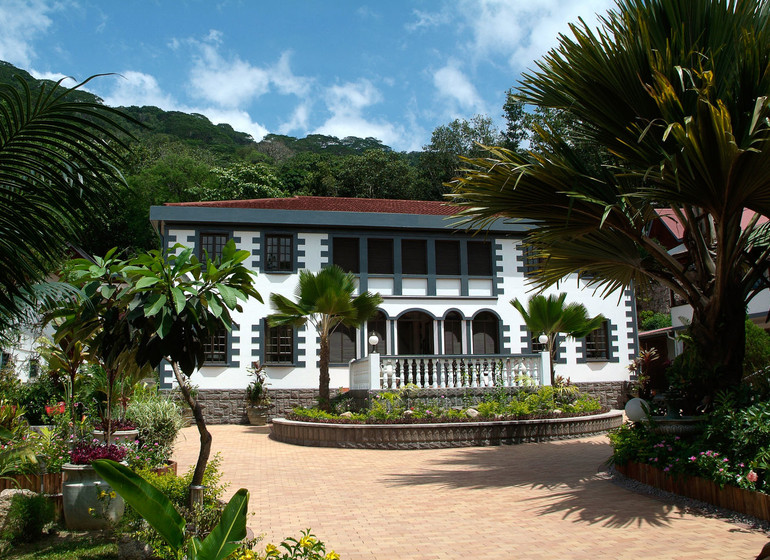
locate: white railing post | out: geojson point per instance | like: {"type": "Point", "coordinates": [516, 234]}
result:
{"type": "Point", "coordinates": [545, 368]}
{"type": "Point", "coordinates": [375, 371]}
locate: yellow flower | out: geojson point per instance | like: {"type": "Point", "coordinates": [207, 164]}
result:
{"type": "Point", "coordinates": [307, 542]}
{"type": "Point", "coordinates": [91, 510]}
{"type": "Point", "coordinates": [102, 494]}
{"type": "Point", "coordinates": [112, 495]}
{"type": "Point", "coordinates": [332, 556]}
{"type": "Point", "coordinates": [271, 550]}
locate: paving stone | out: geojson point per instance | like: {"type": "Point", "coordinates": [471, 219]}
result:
{"type": "Point", "coordinates": [528, 501]}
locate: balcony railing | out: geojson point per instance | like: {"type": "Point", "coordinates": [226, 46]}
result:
{"type": "Point", "coordinates": [452, 371]}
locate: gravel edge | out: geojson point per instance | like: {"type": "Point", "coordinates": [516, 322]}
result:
{"type": "Point", "coordinates": [694, 507]}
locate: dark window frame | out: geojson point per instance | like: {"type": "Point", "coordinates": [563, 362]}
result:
{"type": "Point", "coordinates": [350, 260]}
{"type": "Point", "coordinates": [596, 344]}
{"type": "Point", "coordinates": [444, 258]}
{"type": "Point", "coordinates": [276, 347]}
{"type": "Point", "coordinates": [480, 259]}
{"type": "Point", "coordinates": [379, 256]}
{"type": "Point", "coordinates": [216, 348]}
{"type": "Point", "coordinates": [414, 257]}
{"type": "Point", "coordinates": [279, 243]}
{"type": "Point", "coordinates": [211, 244]}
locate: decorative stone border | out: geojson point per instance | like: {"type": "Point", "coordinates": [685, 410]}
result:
{"type": "Point", "coordinates": [432, 436]}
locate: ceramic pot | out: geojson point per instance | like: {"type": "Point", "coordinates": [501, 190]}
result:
{"type": "Point", "coordinates": [81, 488]}
{"type": "Point", "coordinates": [120, 436]}
{"type": "Point", "coordinates": [257, 415]}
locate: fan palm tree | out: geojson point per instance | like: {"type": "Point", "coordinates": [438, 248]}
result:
{"type": "Point", "coordinates": [58, 161]}
{"type": "Point", "coordinates": [325, 300]}
{"type": "Point", "coordinates": [549, 316]}
{"type": "Point", "coordinates": [675, 92]}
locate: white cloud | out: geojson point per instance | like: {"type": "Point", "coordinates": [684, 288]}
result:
{"type": "Point", "coordinates": [239, 120]}
{"type": "Point", "coordinates": [454, 85]}
{"type": "Point", "coordinates": [67, 81]}
{"type": "Point", "coordinates": [136, 88]}
{"type": "Point", "coordinates": [524, 31]}
{"type": "Point", "coordinates": [23, 21]}
{"type": "Point", "coordinates": [233, 82]}
{"type": "Point", "coordinates": [424, 20]}
{"type": "Point", "coordinates": [347, 103]}
{"type": "Point", "coordinates": [298, 122]}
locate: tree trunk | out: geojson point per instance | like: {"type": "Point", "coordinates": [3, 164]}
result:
{"type": "Point", "coordinates": [200, 422]}
{"type": "Point", "coordinates": [323, 382]}
{"type": "Point", "coordinates": [719, 336]}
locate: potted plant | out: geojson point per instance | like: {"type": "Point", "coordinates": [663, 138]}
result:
{"type": "Point", "coordinates": [257, 397]}
{"type": "Point", "coordinates": [89, 502]}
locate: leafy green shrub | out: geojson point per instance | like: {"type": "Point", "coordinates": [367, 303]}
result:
{"type": "Point", "coordinates": [390, 407]}
{"type": "Point", "coordinates": [35, 395]}
{"type": "Point", "coordinates": [27, 517]}
{"type": "Point", "coordinates": [651, 320]}
{"type": "Point", "coordinates": [157, 419]}
{"type": "Point", "coordinates": [176, 488]}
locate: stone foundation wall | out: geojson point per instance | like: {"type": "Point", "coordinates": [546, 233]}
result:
{"type": "Point", "coordinates": [228, 406]}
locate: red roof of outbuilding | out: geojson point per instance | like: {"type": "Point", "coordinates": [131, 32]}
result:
{"type": "Point", "coordinates": [334, 204]}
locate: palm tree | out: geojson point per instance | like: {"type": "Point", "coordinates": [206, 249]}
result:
{"type": "Point", "coordinates": [549, 316]}
{"type": "Point", "coordinates": [325, 300]}
{"type": "Point", "coordinates": [675, 93]}
{"type": "Point", "coordinates": [58, 160]}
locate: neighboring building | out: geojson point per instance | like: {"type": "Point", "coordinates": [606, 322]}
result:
{"type": "Point", "coordinates": [445, 291]}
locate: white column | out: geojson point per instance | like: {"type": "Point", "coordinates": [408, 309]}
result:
{"type": "Point", "coordinates": [545, 368]}
{"type": "Point", "coordinates": [374, 371]}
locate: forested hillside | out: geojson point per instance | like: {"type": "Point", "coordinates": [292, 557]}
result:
{"type": "Point", "coordinates": [177, 157]}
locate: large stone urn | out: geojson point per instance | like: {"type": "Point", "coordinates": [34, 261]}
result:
{"type": "Point", "coordinates": [83, 510]}
{"type": "Point", "coordinates": [118, 436]}
{"type": "Point", "coordinates": [257, 415]}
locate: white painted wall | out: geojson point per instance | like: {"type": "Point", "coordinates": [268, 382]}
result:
{"type": "Point", "coordinates": [514, 284]}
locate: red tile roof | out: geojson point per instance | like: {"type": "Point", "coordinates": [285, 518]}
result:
{"type": "Point", "coordinates": [334, 204]}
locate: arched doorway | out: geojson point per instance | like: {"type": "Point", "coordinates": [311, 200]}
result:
{"type": "Point", "coordinates": [453, 343]}
{"type": "Point", "coordinates": [415, 334]}
{"type": "Point", "coordinates": [486, 333]}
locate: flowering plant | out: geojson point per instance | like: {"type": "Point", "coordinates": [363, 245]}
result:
{"type": "Point", "coordinates": [86, 453]}
{"type": "Point", "coordinates": [146, 455]}
{"type": "Point", "coordinates": [55, 409]}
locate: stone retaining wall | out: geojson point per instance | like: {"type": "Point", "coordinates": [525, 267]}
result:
{"type": "Point", "coordinates": [228, 406]}
{"type": "Point", "coordinates": [441, 435]}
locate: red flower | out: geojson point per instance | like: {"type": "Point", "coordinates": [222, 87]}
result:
{"type": "Point", "coordinates": [58, 408]}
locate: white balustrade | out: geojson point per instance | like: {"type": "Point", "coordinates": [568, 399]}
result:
{"type": "Point", "coordinates": [463, 371]}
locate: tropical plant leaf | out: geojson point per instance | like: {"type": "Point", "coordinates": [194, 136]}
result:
{"type": "Point", "coordinates": [148, 501]}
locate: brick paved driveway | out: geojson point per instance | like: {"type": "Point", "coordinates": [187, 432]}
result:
{"type": "Point", "coordinates": [528, 502]}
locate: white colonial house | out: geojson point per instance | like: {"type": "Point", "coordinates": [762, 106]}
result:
{"type": "Point", "coordinates": [445, 317]}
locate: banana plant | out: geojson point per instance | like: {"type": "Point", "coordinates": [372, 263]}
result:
{"type": "Point", "coordinates": [159, 512]}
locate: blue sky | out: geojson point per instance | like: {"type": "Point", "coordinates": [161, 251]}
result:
{"type": "Point", "coordinates": [391, 69]}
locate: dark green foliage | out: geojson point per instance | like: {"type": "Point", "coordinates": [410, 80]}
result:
{"type": "Point", "coordinates": [36, 394]}
{"type": "Point", "coordinates": [757, 356]}
{"type": "Point", "coordinates": [27, 517]}
{"type": "Point", "coordinates": [651, 320]}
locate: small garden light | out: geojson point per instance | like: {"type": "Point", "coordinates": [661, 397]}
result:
{"type": "Point", "coordinates": [636, 409]}
{"type": "Point", "coordinates": [373, 341]}
{"type": "Point", "coordinates": [543, 339]}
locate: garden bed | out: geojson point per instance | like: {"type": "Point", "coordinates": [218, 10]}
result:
{"type": "Point", "coordinates": [442, 434]}
{"type": "Point", "coordinates": [729, 497]}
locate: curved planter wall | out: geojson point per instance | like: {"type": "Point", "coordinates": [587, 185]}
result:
{"type": "Point", "coordinates": [431, 436]}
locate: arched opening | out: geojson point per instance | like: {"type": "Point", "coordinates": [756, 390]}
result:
{"type": "Point", "coordinates": [453, 328]}
{"type": "Point", "coordinates": [415, 334]}
{"type": "Point", "coordinates": [486, 333]}
{"type": "Point", "coordinates": [342, 344]}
